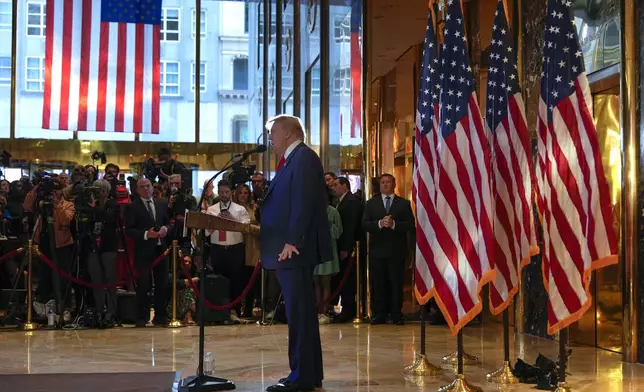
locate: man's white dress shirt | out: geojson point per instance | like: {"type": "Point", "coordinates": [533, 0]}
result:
{"type": "Point", "coordinates": [238, 213]}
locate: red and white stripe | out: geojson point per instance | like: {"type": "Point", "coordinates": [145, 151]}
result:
{"type": "Point", "coordinates": [456, 239]}
{"type": "Point", "coordinates": [99, 76]}
{"type": "Point", "coordinates": [514, 231]}
{"type": "Point", "coordinates": [575, 205]}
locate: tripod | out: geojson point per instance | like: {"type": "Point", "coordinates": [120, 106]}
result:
{"type": "Point", "coordinates": [201, 382]}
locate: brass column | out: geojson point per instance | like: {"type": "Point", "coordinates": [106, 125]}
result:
{"type": "Point", "coordinates": [325, 52]}
{"type": "Point", "coordinates": [266, 157]}
{"type": "Point", "coordinates": [14, 72]}
{"type": "Point", "coordinates": [297, 58]}
{"type": "Point", "coordinates": [629, 82]}
{"type": "Point", "coordinates": [367, 41]}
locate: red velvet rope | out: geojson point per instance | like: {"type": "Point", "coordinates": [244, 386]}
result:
{"type": "Point", "coordinates": [212, 306]}
{"type": "Point", "coordinates": [10, 254]}
{"type": "Point", "coordinates": [81, 282]}
{"type": "Point", "coordinates": [337, 291]}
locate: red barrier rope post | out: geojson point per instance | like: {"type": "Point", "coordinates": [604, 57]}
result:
{"type": "Point", "coordinates": [29, 325]}
{"type": "Point", "coordinates": [174, 323]}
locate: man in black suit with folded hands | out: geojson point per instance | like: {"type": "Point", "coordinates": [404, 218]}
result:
{"type": "Point", "coordinates": [388, 218]}
{"type": "Point", "coordinates": [147, 222]}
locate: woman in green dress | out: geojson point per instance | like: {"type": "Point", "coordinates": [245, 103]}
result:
{"type": "Point", "coordinates": [325, 271]}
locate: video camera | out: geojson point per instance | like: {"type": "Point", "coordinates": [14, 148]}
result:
{"type": "Point", "coordinates": [118, 189]}
{"type": "Point", "coordinates": [47, 185]}
{"type": "Point", "coordinates": [83, 194]}
{"type": "Point", "coordinates": [240, 174]}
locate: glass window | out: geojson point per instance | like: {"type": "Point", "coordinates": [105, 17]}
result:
{"type": "Point", "coordinates": [204, 20]}
{"type": "Point", "coordinates": [36, 19]}
{"type": "Point", "coordinates": [170, 24]}
{"type": "Point", "coordinates": [35, 74]}
{"type": "Point", "coordinates": [342, 81]}
{"type": "Point", "coordinates": [342, 30]}
{"type": "Point", "coordinates": [202, 77]}
{"type": "Point", "coordinates": [240, 73]}
{"type": "Point", "coordinates": [169, 77]}
{"type": "Point", "coordinates": [5, 15]}
{"type": "Point", "coordinates": [5, 71]}
{"type": "Point", "coordinates": [315, 81]}
{"type": "Point", "coordinates": [240, 130]}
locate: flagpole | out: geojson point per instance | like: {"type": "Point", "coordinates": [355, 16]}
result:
{"type": "Point", "coordinates": [14, 73]}
{"type": "Point", "coordinates": [562, 386]}
{"type": "Point", "coordinates": [422, 366]}
{"type": "Point", "coordinates": [504, 375]}
{"type": "Point", "coordinates": [460, 384]}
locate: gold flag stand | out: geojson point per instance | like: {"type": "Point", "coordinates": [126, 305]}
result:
{"type": "Point", "coordinates": [460, 384]}
{"type": "Point", "coordinates": [504, 375]}
{"type": "Point", "coordinates": [422, 366]}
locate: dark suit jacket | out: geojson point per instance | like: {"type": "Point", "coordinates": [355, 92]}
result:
{"type": "Point", "coordinates": [350, 209]}
{"type": "Point", "coordinates": [294, 212]}
{"type": "Point", "coordinates": [386, 242]}
{"type": "Point", "coordinates": [138, 220]}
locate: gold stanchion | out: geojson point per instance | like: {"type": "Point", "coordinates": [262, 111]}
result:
{"type": "Point", "coordinates": [367, 268]}
{"type": "Point", "coordinates": [174, 323]}
{"type": "Point", "coordinates": [452, 359]}
{"type": "Point", "coordinates": [29, 325]}
{"type": "Point", "coordinates": [359, 310]}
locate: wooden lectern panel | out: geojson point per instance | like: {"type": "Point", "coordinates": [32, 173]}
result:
{"type": "Point", "coordinates": [200, 220]}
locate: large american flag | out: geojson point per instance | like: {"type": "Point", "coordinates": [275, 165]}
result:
{"type": "Point", "coordinates": [573, 199]}
{"type": "Point", "coordinates": [423, 189]}
{"type": "Point", "coordinates": [102, 65]}
{"type": "Point", "coordinates": [514, 231]}
{"type": "Point", "coordinates": [459, 258]}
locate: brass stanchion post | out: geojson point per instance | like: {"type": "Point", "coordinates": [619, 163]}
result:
{"type": "Point", "coordinates": [368, 283]}
{"type": "Point", "coordinates": [29, 325]}
{"type": "Point", "coordinates": [359, 311]}
{"type": "Point", "coordinates": [460, 384]}
{"type": "Point", "coordinates": [175, 253]}
{"type": "Point", "coordinates": [504, 374]}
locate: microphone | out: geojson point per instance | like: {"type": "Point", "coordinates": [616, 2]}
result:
{"type": "Point", "coordinates": [255, 150]}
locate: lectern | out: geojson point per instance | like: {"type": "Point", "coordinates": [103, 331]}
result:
{"type": "Point", "coordinates": [202, 221]}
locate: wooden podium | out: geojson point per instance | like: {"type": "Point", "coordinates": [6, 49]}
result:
{"type": "Point", "coordinates": [201, 220]}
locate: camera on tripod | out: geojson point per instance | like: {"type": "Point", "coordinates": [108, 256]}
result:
{"type": "Point", "coordinates": [118, 189]}
{"type": "Point", "coordinates": [240, 174]}
{"type": "Point", "coordinates": [48, 185]}
{"type": "Point", "coordinates": [83, 194]}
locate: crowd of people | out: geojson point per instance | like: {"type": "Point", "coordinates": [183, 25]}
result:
{"type": "Point", "coordinates": [92, 228]}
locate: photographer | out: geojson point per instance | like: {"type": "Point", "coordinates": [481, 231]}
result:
{"type": "Point", "coordinates": [100, 246]}
{"type": "Point", "coordinates": [52, 233]}
{"type": "Point", "coordinates": [179, 200]}
{"type": "Point", "coordinates": [167, 166]}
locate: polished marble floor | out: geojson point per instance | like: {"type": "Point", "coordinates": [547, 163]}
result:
{"type": "Point", "coordinates": [361, 358]}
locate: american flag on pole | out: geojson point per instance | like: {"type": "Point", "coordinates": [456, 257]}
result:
{"type": "Point", "coordinates": [423, 190]}
{"type": "Point", "coordinates": [574, 199]}
{"type": "Point", "coordinates": [102, 65]}
{"type": "Point", "coordinates": [514, 231]}
{"type": "Point", "coordinates": [458, 254]}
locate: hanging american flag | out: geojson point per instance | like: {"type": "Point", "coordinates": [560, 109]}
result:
{"type": "Point", "coordinates": [102, 65]}
{"type": "Point", "coordinates": [460, 226]}
{"type": "Point", "coordinates": [574, 200]}
{"type": "Point", "coordinates": [513, 222]}
{"type": "Point", "coordinates": [423, 190]}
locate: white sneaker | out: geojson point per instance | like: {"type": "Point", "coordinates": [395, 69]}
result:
{"type": "Point", "coordinates": [39, 308]}
{"type": "Point", "coordinates": [323, 319]}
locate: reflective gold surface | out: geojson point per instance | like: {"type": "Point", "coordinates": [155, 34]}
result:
{"type": "Point", "coordinates": [452, 359]}
{"type": "Point", "coordinates": [422, 367]}
{"type": "Point", "coordinates": [355, 359]}
{"type": "Point", "coordinates": [503, 375]}
{"type": "Point", "coordinates": [460, 384]}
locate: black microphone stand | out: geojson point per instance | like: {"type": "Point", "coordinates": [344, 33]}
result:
{"type": "Point", "coordinates": [201, 382]}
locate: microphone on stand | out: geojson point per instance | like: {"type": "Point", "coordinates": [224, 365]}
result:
{"type": "Point", "coordinates": [237, 158]}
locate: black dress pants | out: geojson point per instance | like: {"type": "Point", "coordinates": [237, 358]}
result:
{"type": "Point", "coordinates": [387, 286]}
{"type": "Point", "coordinates": [228, 261]}
{"type": "Point", "coordinates": [160, 273]}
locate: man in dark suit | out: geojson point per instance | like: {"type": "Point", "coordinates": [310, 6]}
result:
{"type": "Point", "coordinates": [350, 209]}
{"type": "Point", "coordinates": [295, 237]}
{"type": "Point", "coordinates": [147, 223]}
{"type": "Point", "coordinates": [388, 218]}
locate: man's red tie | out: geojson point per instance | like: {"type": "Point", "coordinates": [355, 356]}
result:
{"type": "Point", "coordinates": [222, 236]}
{"type": "Point", "coordinates": [280, 164]}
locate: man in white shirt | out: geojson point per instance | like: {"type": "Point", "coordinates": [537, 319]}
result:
{"type": "Point", "coordinates": [226, 247]}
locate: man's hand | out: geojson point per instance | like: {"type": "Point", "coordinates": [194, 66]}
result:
{"type": "Point", "coordinates": [163, 231]}
{"type": "Point", "coordinates": [180, 218]}
{"type": "Point", "coordinates": [171, 201]}
{"type": "Point", "coordinates": [287, 252]}
{"type": "Point", "coordinates": [153, 234]}
{"type": "Point", "coordinates": [225, 214]}
{"type": "Point", "coordinates": [195, 280]}
{"type": "Point", "coordinates": [343, 254]}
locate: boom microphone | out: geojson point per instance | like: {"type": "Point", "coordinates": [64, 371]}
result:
{"type": "Point", "coordinates": [255, 150]}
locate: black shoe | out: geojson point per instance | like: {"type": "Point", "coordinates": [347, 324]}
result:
{"type": "Point", "coordinates": [378, 320]}
{"type": "Point", "coordinates": [288, 386]}
{"type": "Point", "coordinates": [283, 380]}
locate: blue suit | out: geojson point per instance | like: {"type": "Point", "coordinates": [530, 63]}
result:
{"type": "Point", "coordinates": [294, 212]}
